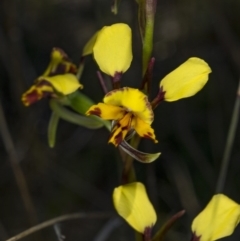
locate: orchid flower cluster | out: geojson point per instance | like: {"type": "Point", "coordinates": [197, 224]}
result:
{"type": "Point", "coordinates": [128, 114]}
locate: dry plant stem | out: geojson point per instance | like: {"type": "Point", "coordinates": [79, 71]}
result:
{"type": "Point", "coordinates": [229, 144]}
{"type": "Point", "coordinates": [58, 220]}
{"type": "Point", "coordinates": [159, 236]}
{"type": "Point", "coordinates": [111, 225]}
{"type": "Point", "coordinates": [19, 176]}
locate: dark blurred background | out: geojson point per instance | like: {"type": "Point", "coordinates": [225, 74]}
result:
{"type": "Point", "coordinates": [79, 174]}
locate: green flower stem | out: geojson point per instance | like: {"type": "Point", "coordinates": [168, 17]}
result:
{"type": "Point", "coordinates": [148, 35]}
{"type": "Point", "coordinates": [52, 129]}
{"type": "Point", "coordinates": [141, 17]}
{"type": "Point", "coordinates": [80, 68]}
{"type": "Point", "coordinates": [128, 174]}
{"type": "Point", "coordinates": [229, 144]}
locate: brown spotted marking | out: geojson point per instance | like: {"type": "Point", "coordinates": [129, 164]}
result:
{"type": "Point", "coordinates": [117, 90]}
{"type": "Point", "coordinates": [31, 98]}
{"type": "Point", "coordinates": [149, 106]}
{"type": "Point", "coordinates": [195, 237]}
{"type": "Point", "coordinates": [96, 111]}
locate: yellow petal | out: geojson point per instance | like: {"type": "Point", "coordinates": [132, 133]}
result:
{"type": "Point", "coordinates": [59, 64]}
{"type": "Point", "coordinates": [36, 93]}
{"type": "Point", "coordinates": [132, 100]}
{"type": "Point", "coordinates": [88, 48]}
{"type": "Point", "coordinates": [113, 48]}
{"type": "Point", "coordinates": [217, 220]}
{"type": "Point", "coordinates": [106, 112]}
{"type": "Point", "coordinates": [64, 84]}
{"type": "Point", "coordinates": [143, 129]}
{"type": "Point", "coordinates": [132, 203]}
{"type": "Point", "coordinates": [186, 80]}
{"type": "Point", "coordinates": [120, 130]}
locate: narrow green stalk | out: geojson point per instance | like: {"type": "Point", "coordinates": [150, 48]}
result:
{"type": "Point", "coordinates": [147, 12]}
{"type": "Point", "coordinates": [80, 68]}
{"type": "Point", "coordinates": [148, 33]}
{"type": "Point", "coordinates": [52, 129]}
{"type": "Point", "coordinates": [129, 175]}
{"type": "Point", "coordinates": [229, 144]}
{"type": "Point", "coordinates": [141, 17]}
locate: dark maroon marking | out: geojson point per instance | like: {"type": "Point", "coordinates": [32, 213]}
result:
{"type": "Point", "coordinates": [161, 94]}
{"type": "Point", "coordinates": [31, 98]}
{"type": "Point", "coordinates": [146, 82]}
{"type": "Point", "coordinates": [150, 134]}
{"type": "Point", "coordinates": [195, 237]}
{"type": "Point", "coordinates": [113, 91]}
{"type": "Point", "coordinates": [147, 234]}
{"type": "Point", "coordinates": [96, 111]}
{"type": "Point", "coordinates": [64, 55]}
{"type": "Point", "coordinates": [125, 128]}
{"type": "Point", "coordinates": [159, 98]}
{"type": "Point", "coordinates": [118, 138]}
{"type": "Point", "coordinates": [72, 69]}
{"type": "Point", "coordinates": [147, 136]}
{"type": "Point", "coordinates": [42, 82]}
{"type": "Point", "coordinates": [116, 80]}
{"type": "Point", "coordinates": [60, 69]}
{"type": "Point", "coordinates": [149, 106]}
{"type": "Point", "coordinates": [117, 76]}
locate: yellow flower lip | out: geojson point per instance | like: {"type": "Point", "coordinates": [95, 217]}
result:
{"type": "Point", "coordinates": [130, 109]}
{"type": "Point", "coordinates": [132, 203]}
{"type": "Point", "coordinates": [112, 48]}
{"type": "Point", "coordinates": [186, 80]}
{"type": "Point", "coordinates": [217, 220]}
{"type": "Point", "coordinates": [64, 84]}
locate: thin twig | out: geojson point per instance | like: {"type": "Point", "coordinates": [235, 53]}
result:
{"type": "Point", "coordinates": [101, 80]}
{"type": "Point", "coordinates": [58, 220]}
{"type": "Point", "coordinates": [108, 228]}
{"type": "Point", "coordinates": [18, 173]}
{"type": "Point", "coordinates": [229, 144]}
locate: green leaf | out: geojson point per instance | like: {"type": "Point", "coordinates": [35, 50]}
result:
{"type": "Point", "coordinates": [52, 129]}
{"type": "Point", "coordinates": [81, 103]}
{"type": "Point", "coordinates": [138, 155]}
{"type": "Point", "coordinates": [74, 118]}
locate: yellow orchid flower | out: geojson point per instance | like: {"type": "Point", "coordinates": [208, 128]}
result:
{"type": "Point", "coordinates": [111, 48]}
{"type": "Point", "coordinates": [217, 220]}
{"type": "Point", "coordinates": [130, 109]}
{"type": "Point", "coordinates": [57, 80]}
{"type": "Point", "coordinates": [132, 203]}
{"type": "Point", "coordinates": [186, 80]}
